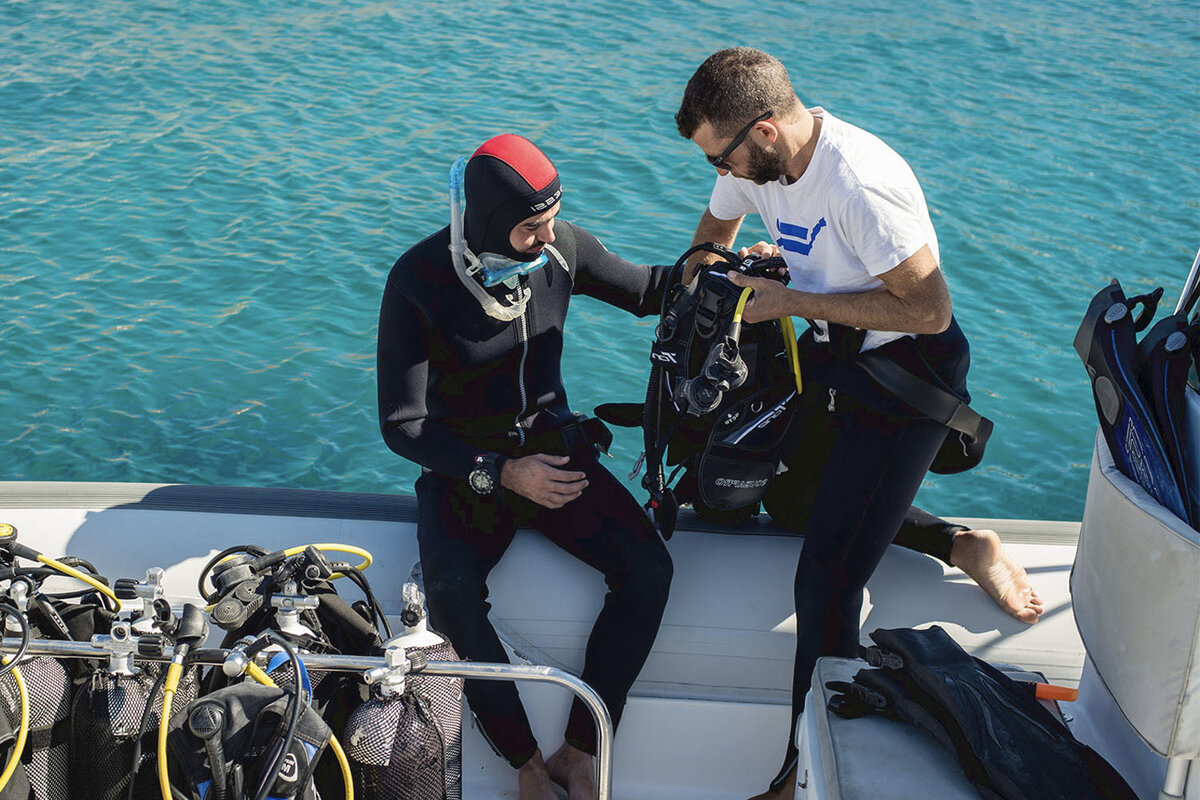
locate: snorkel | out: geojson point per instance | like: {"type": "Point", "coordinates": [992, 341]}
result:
{"type": "Point", "coordinates": [489, 269]}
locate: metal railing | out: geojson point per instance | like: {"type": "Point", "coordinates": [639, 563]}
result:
{"type": "Point", "coordinates": [472, 670]}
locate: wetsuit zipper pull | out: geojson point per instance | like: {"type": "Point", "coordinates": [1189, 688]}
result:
{"type": "Point", "coordinates": [832, 400]}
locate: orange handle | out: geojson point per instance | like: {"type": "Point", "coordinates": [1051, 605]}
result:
{"type": "Point", "coordinates": [1048, 691]}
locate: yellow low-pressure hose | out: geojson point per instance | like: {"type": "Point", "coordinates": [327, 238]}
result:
{"type": "Point", "coordinates": [741, 305]}
{"type": "Point", "coordinates": [344, 763]}
{"type": "Point", "coordinates": [335, 548]}
{"type": "Point", "coordinates": [22, 732]}
{"type": "Point", "coordinates": [256, 672]}
{"type": "Point", "coordinates": [82, 576]}
{"type": "Point", "coordinates": [174, 671]}
{"type": "Point", "coordinates": [789, 344]}
{"type": "Point", "coordinates": [789, 336]}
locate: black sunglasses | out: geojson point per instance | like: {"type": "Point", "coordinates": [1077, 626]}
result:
{"type": "Point", "coordinates": [719, 161]}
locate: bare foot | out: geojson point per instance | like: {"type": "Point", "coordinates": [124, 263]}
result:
{"type": "Point", "coordinates": [533, 780]}
{"type": "Point", "coordinates": [575, 771]}
{"type": "Point", "coordinates": [787, 791]}
{"type": "Point", "coordinates": [981, 555]}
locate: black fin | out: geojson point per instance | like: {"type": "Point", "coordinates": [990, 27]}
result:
{"type": "Point", "coordinates": [1107, 343]}
{"type": "Point", "coordinates": [623, 415]}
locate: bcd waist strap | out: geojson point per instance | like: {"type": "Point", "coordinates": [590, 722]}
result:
{"type": "Point", "coordinates": [570, 438]}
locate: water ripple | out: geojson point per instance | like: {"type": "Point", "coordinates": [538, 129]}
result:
{"type": "Point", "coordinates": [198, 205]}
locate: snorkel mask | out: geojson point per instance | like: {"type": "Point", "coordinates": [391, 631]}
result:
{"type": "Point", "coordinates": [474, 275]}
{"type": "Point", "coordinates": [487, 268]}
{"type": "Point", "coordinates": [509, 180]}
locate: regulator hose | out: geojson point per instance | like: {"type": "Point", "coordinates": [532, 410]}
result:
{"type": "Point", "coordinates": [192, 629]}
{"type": "Point", "coordinates": [256, 672]}
{"type": "Point", "coordinates": [24, 551]}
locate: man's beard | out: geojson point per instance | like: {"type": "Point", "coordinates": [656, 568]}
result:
{"type": "Point", "coordinates": [765, 165]}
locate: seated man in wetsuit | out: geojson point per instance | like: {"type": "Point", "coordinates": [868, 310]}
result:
{"type": "Point", "coordinates": [470, 388]}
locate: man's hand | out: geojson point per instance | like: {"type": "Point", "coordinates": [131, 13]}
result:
{"type": "Point", "coordinates": [760, 249]}
{"type": "Point", "coordinates": [771, 299]}
{"type": "Point", "coordinates": [539, 478]}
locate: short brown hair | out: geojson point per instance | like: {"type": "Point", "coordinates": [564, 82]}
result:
{"type": "Point", "coordinates": [731, 88]}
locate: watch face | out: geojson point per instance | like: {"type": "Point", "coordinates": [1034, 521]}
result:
{"type": "Point", "coordinates": [481, 481]}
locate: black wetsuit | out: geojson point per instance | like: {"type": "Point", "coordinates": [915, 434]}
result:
{"type": "Point", "coordinates": [455, 383]}
{"type": "Point", "coordinates": [856, 462]}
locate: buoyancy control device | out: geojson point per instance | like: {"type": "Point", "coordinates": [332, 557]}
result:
{"type": "Point", "coordinates": [1010, 746]}
{"type": "Point", "coordinates": [247, 740]}
{"type": "Point", "coordinates": [291, 592]}
{"type": "Point", "coordinates": [721, 394]}
{"type": "Point", "coordinates": [405, 741]}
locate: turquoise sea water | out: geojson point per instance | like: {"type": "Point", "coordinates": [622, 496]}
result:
{"type": "Point", "coordinates": [199, 203]}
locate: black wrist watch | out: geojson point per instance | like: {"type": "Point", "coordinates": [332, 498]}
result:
{"type": "Point", "coordinates": [484, 480]}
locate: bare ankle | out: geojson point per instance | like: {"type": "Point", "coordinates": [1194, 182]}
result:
{"type": "Point", "coordinates": [574, 770]}
{"type": "Point", "coordinates": [533, 779]}
{"type": "Point", "coordinates": [969, 546]}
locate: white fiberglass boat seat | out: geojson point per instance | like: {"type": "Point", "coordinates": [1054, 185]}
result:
{"type": "Point", "coordinates": [1136, 590]}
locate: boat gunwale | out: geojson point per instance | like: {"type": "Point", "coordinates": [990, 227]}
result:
{"type": "Point", "coordinates": [321, 503]}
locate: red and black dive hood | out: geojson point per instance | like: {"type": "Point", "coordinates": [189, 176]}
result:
{"type": "Point", "coordinates": [507, 179]}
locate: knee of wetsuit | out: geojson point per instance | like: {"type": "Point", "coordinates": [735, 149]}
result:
{"type": "Point", "coordinates": [649, 581]}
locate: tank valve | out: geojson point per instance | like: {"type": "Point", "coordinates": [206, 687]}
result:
{"type": "Point", "coordinates": [389, 680]}
{"type": "Point", "coordinates": [147, 591]}
{"type": "Point", "coordinates": [121, 646]}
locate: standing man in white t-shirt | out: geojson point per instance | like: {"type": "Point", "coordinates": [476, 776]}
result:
{"type": "Point", "coordinates": [849, 217]}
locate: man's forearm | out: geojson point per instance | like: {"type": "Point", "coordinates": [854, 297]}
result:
{"type": "Point", "coordinates": [913, 299]}
{"type": "Point", "coordinates": [878, 310]}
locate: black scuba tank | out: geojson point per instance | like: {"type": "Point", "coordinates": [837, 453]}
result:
{"type": "Point", "coordinates": [49, 682]}
{"type": "Point", "coordinates": [107, 716]}
{"type": "Point", "coordinates": [18, 785]}
{"type": "Point", "coordinates": [405, 741]}
{"type": "Point", "coordinates": [258, 591]}
{"type": "Point", "coordinates": [49, 688]}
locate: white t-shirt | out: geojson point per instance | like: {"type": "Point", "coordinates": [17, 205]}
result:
{"type": "Point", "coordinates": [856, 213]}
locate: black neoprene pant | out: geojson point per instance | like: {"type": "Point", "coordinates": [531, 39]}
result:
{"type": "Point", "coordinates": [850, 483]}
{"type": "Point", "coordinates": [463, 536]}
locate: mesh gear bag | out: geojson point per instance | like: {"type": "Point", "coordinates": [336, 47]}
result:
{"type": "Point", "coordinates": [409, 746]}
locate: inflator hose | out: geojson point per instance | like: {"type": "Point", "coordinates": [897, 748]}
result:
{"type": "Point", "coordinates": [192, 630]}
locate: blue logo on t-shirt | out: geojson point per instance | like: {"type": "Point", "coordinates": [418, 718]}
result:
{"type": "Point", "coordinates": [798, 238]}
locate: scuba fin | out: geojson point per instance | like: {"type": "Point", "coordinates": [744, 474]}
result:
{"type": "Point", "coordinates": [1010, 746]}
{"type": "Point", "coordinates": [1164, 362]}
{"type": "Point", "coordinates": [1107, 343]}
{"type": "Point", "coordinates": [623, 415]}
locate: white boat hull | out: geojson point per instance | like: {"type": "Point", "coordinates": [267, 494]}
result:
{"type": "Point", "coordinates": [708, 715]}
